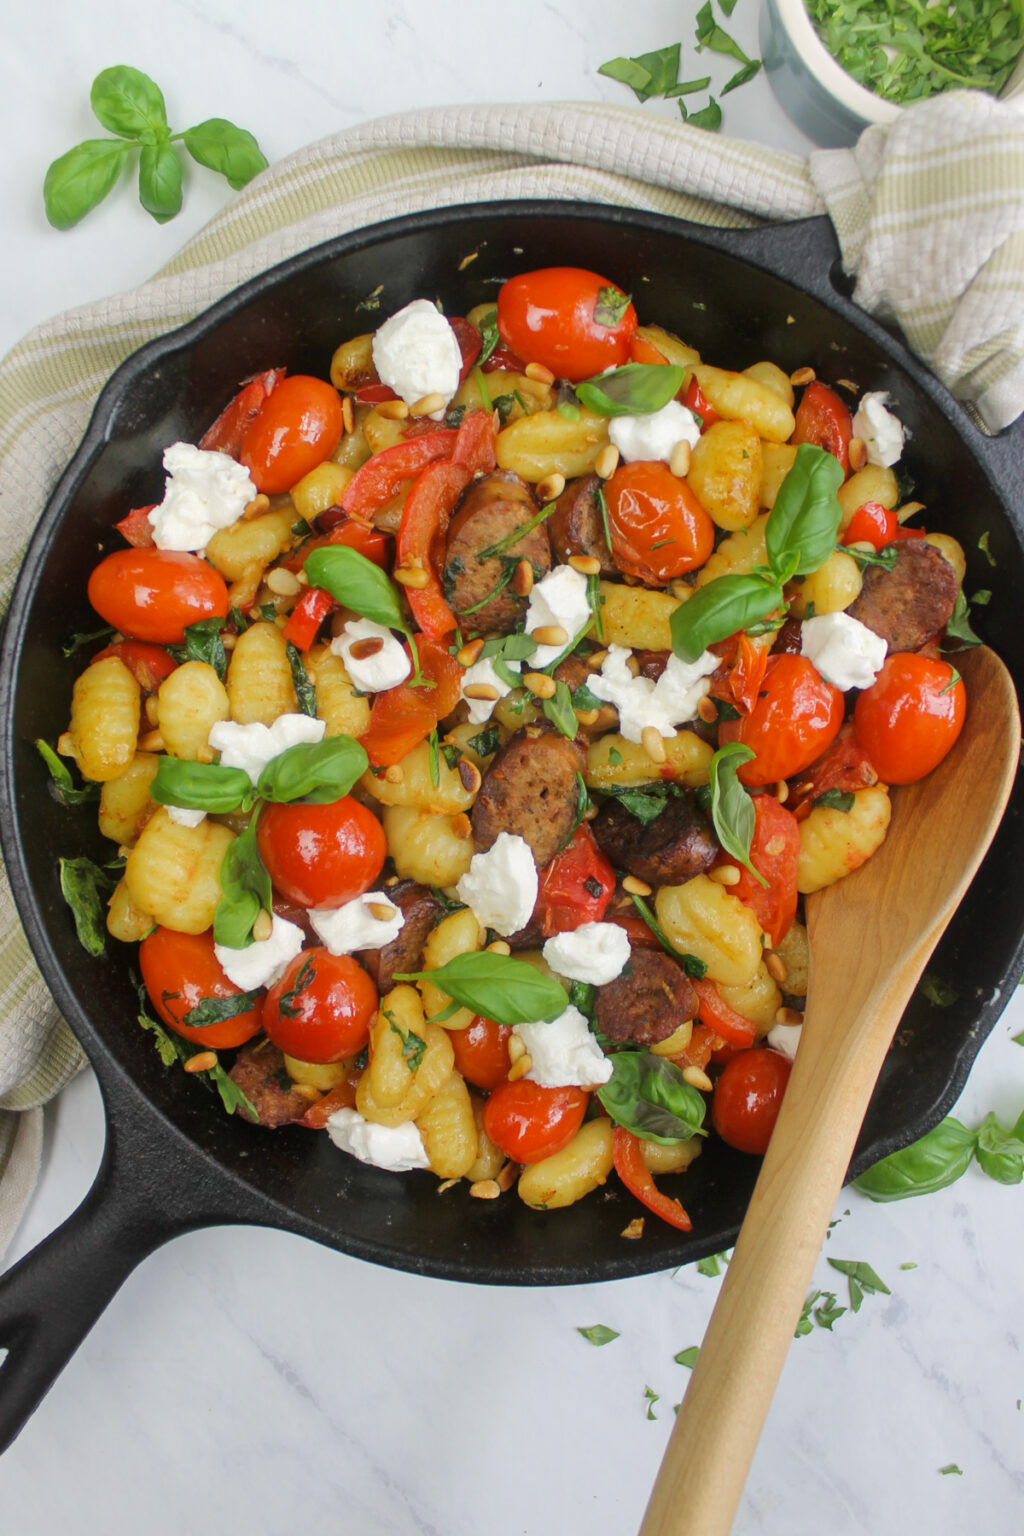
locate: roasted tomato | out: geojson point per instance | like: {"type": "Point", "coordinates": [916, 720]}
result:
{"type": "Point", "coordinates": [795, 717]}
{"type": "Point", "coordinates": [179, 971]}
{"type": "Point", "coordinates": [822, 418]}
{"type": "Point", "coordinates": [481, 1052]}
{"type": "Point", "coordinates": [576, 886]}
{"type": "Point", "coordinates": [748, 1097]}
{"type": "Point", "coordinates": [910, 716]}
{"type": "Point", "coordinates": [321, 855]}
{"type": "Point", "coordinates": [528, 1122]}
{"type": "Point", "coordinates": [152, 594]}
{"type": "Point", "coordinates": [148, 664]}
{"type": "Point", "coordinates": [775, 854]}
{"type": "Point", "coordinates": [570, 320]}
{"type": "Point", "coordinates": [321, 1008]}
{"type": "Point", "coordinates": [298, 426]}
{"type": "Point", "coordinates": [659, 529]}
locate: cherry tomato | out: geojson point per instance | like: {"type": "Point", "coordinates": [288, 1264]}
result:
{"type": "Point", "coordinates": [576, 885]}
{"type": "Point", "coordinates": [822, 418]}
{"type": "Point", "coordinates": [179, 970]}
{"type": "Point", "coordinates": [481, 1052]}
{"type": "Point", "coordinates": [296, 428]}
{"type": "Point", "coordinates": [775, 854]}
{"type": "Point", "coordinates": [910, 716]}
{"type": "Point", "coordinates": [795, 717]}
{"type": "Point", "coordinates": [659, 528]}
{"type": "Point", "coordinates": [570, 320]}
{"type": "Point", "coordinates": [747, 1098]}
{"type": "Point", "coordinates": [643, 351]}
{"type": "Point", "coordinates": [528, 1122]}
{"type": "Point", "coordinates": [844, 765]}
{"type": "Point", "coordinates": [136, 528]}
{"type": "Point", "coordinates": [321, 855]}
{"type": "Point", "coordinates": [747, 657]}
{"type": "Point", "coordinates": [228, 431]}
{"type": "Point", "coordinates": [151, 594]}
{"type": "Point", "coordinates": [321, 1008]}
{"type": "Point", "coordinates": [148, 664]}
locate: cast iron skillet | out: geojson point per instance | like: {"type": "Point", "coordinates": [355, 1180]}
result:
{"type": "Point", "coordinates": [173, 1161]}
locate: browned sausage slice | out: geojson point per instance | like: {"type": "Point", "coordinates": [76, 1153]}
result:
{"type": "Point", "coordinates": [648, 1002]}
{"type": "Point", "coordinates": [675, 846]}
{"type": "Point", "coordinates": [577, 527]}
{"type": "Point", "coordinates": [911, 603]}
{"type": "Point", "coordinates": [259, 1071]}
{"type": "Point", "coordinates": [492, 508]}
{"type": "Point", "coordinates": [422, 911]}
{"type": "Point", "coordinates": [530, 791]}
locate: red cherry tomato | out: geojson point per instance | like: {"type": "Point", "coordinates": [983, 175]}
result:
{"type": "Point", "coordinates": [795, 717]}
{"type": "Point", "coordinates": [822, 418]}
{"type": "Point", "coordinates": [179, 970]}
{"type": "Point", "coordinates": [570, 320]}
{"type": "Point", "coordinates": [775, 854]}
{"type": "Point", "coordinates": [481, 1052]}
{"type": "Point", "coordinates": [296, 428]}
{"type": "Point", "coordinates": [697, 401]}
{"type": "Point", "coordinates": [321, 855]}
{"type": "Point", "coordinates": [747, 1099]}
{"type": "Point", "coordinates": [151, 594]}
{"type": "Point", "coordinates": [228, 431]}
{"type": "Point", "coordinates": [659, 528]}
{"type": "Point", "coordinates": [910, 716]}
{"type": "Point", "coordinates": [576, 885]}
{"type": "Point", "coordinates": [528, 1122]}
{"type": "Point", "coordinates": [321, 1008]}
{"type": "Point", "coordinates": [871, 524]}
{"type": "Point", "coordinates": [148, 664]}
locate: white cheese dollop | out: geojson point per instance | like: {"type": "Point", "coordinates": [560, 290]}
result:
{"type": "Point", "coordinates": [353, 926]}
{"type": "Point", "coordinates": [564, 1053]}
{"type": "Point", "coordinates": [205, 491]}
{"type": "Point", "coordinates": [481, 710]}
{"type": "Point", "coordinates": [845, 651]}
{"type": "Point", "coordinates": [655, 435]}
{"type": "Point", "coordinates": [785, 1038]}
{"type": "Point", "coordinates": [593, 952]}
{"type": "Point", "coordinates": [263, 962]}
{"type": "Point", "coordinates": [882, 433]}
{"type": "Point", "coordinates": [395, 1148]}
{"type": "Point", "coordinates": [386, 668]}
{"type": "Point", "coordinates": [641, 702]}
{"type": "Point", "coordinates": [417, 354]}
{"type": "Point", "coordinates": [184, 815]}
{"type": "Point", "coordinates": [501, 885]}
{"type": "Point", "coordinates": [253, 746]}
{"type": "Point", "coordinates": [560, 597]}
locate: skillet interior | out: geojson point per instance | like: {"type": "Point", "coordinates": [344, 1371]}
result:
{"type": "Point", "coordinates": [693, 281]}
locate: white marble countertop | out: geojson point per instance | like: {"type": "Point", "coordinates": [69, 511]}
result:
{"type": "Point", "coordinates": [246, 1380]}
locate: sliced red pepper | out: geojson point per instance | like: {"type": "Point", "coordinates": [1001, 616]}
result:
{"type": "Point", "coordinates": [341, 1097]}
{"type": "Point", "coordinates": [874, 524]}
{"type": "Point", "coordinates": [642, 351]}
{"type": "Point", "coordinates": [374, 543]}
{"type": "Point", "coordinates": [822, 418]}
{"type": "Point", "coordinates": [149, 664]}
{"type": "Point", "coordinates": [420, 542]}
{"type": "Point", "coordinates": [774, 853]}
{"type": "Point", "coordinates": [373, 394]}
{"type": "Point", "coordinates": [627, 1152]}
{"type": "Point", "coordinates": [715, 1012]}
{"type": "Point", "coordinates": [576, 885]}
{"type": "Point", "coordinates": [227, 432]}
{"type": "Point", "coordinates": [380, 477]}
{"type": "Point", "coordinates": [640, 935]}
{"type": "Point", "coordinates": [306, 617]}
{"type": "Point", "coordinates": [697, 401]}
{"type": "Point", "coordinates": [475, 446]}
{"type": "Point", "coordinates": [470, 343]}
{"type": "Point", "coordinates": [503, 360]}
{"type": "Point", "coordinates": [136, 529]}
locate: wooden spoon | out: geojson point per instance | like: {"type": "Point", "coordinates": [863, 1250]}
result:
{"type": "Point", "coordinates": [871, 936]}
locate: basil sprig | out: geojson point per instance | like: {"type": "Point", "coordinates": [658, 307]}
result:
{"type": "Point", "coordinates": [314, 772]}
{"type": "Point", "coordinates": [732, 808]}
{"type": "Point", "coordinates": [720, 609]}
{"type": "Point", "coordinates": [86, 888]}
{"type": "Point", "coordinates": [497, 987]}
{"type": "Point", "coordinates": [201, 786]}
{"type": "Point", "coordinates": [944, 1155]}
{"type": "Point", "coordinates": [635, 389]}
{"type": "Point", "coordinates": [651, 1097]}
{"type": "Point", "coordinates": [245, 891]}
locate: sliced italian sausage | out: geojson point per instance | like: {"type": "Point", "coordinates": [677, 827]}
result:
{"type": "Point", "coordinates": [530, 791]}
{"type": "Point", "coordinates": [648, 1002]}
{"type": "Point", "coordinates": [576, 526]}
{"type": "Point", "coordinates": [911, 603]}
{"type": "Point", "coordinates": [422, 911]}
{"type": "Point", "coordinates": [259, 1071]}
{"type": "Point", "coordinates": [675, 846]}
{"type": "Point", "coordinates": [491, 510]}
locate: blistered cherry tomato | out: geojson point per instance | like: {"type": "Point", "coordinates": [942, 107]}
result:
{"type": "Point", "coordinates": [179, 970]}
{"type": "Point", "coordinates": [659, 528]}
{"type": "Point", "coordinates": [151, 594]}
{"type": "Point", "coordinates": [795, 717]}
{"type": "Point", "coordinates": [528, 1122]}
{"type": "Point", "coordinates": [910, 716]}
{"type": "Point", "coordinates": [296, 428]}
{"type": "Point", "coordinates": [148, 664]}
{"type": "Point", "coordinates": [570, 320]}
{"type": "Point", "coordinates": [775, 854]}
{"type": "Point", "coordinates": [321, 855]}
{"type": "Point", "coordinates": [481, 1052]}
{"type": "Point", "coordinates": [321, 1008]}
{"type": "Point", "coordinates": [822, 418]}
{"type": "Point", "coordinates": [748, 1097]}
{"type": "Point", "coordinates": [576, 885]}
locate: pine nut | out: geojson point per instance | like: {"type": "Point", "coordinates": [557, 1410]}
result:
{"type": "Point", "coordinates": [858, 453]}
{"type": "Point", "coordinates": [205, 755]}
{"type": "Point", "coordinates": [725, 874]}
{"type": "Point", "coordinates": [775, 966]}
{"type": "Point", "coordinates": [392, 880]}
{"type": "Point", "coordinates": [230, 641]}
{"type": "Point", "coordinates": [448, 1184]}
{"type": "Point", "coordinates": [383, 911]}
{"type": "Point", "coordinates": [551, 634]}
{"type": "Point", "coordinates": [788, 1016]}
{"type": "Point", "coordinates": [587, 565]}
{"type": "Point", "coordinates": [516, 1048]}
{"type": "Point", "coordinates": [697, 1078]}
{"type": "Point", "coordinates": [348, 415]}
{"type": "Point", "coordinates": [256, 507]}
{"type": "Point", "coordinates": [470, 652]}
{"type": "Point", "coordinates": [706, 710]}
{"type": "Point", "coordinates": [775, 846]}
{"type": "Point", "coordinates": [632, 665]}
{"type": "Point", "coordinates": [152, 708]}
{"type": "Point", "coordinates": [551, 487]}
{"type": "Point", "coordinates": [507, 1176]}
{"type": "Point", "coordinates": [302, 578]}
{"type": "Point", "coordinates": [634, 1229]}
{"type": "Point", "coordinates": [652, 743]}
{"type": "Point", "coordinates": [411, 576]}
{"type": "Point", "coordinates": [150, 741]}
{"type": "Point", "coordinates": [587, 717]}
{"type": "Point", "coordinates": [480, 691]}
{"type": "Point", "coordinates": [607, 461]}
{"type": "Point", "coordinates": [263, 927]}
{"type": "Point", "coordinates": [499, 947]}
{"type": "Point", "coordinates": [607, 716]}
{"type": "Point", "coordinates": [805, 787]}
{"type": "Point", "coordinates": [522, 581]}
{"type": "Point", "coordinates": [202, 1061]}
{"type": "Point", "coordinates": [307, 1091]}
{"type": "Point", "coordinates": [393, 410]}
{"type": "Point", "coordinates": [782, 791]}
{"type": "Point", "coordinates": [394, 774]}
{"type": "Point", "coordinates": [485, 1189]}
{"type": "Point", "coordinates": [596, 660]}
{"type": "Point", "coordinates": [679, 460]}
{"type": "Point", "coordinates": [540, 685]}
{"type": "Point", "coordinates": [519, 1069]}
{"type": "Point", "coordinates": [362, 649]}
{"type": "Point", "coordinates": [636, 887]}
{"type": "Point", "coordinates": [462, 827]}
{"type": "Point", "coordinates": [539, 372]}
{"type": "Point", "coordinates": [802, 376]}
{"type": "Point", "coordinates": [428, 405]}
{"type": "Point", "coordinates": [469, 775]}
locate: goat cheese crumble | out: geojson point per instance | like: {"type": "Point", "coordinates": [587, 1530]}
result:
{"type": "Point", "coordinates": [500, 886]}
{"type": "Point", "coordinates": [253, 746]}
{"type": "Point", "coordinates": [386, 667]}
{"type": "Point", "coordinates": [205, 491]}
{"type": "Point", "coordinates": [184, 815]}
{"type": "Point", "coordinates": [785, 1038]}
{"type": "Point", "coordinates": [593, 952]}
{"type": "Point", "coordinates": [564, 1053]}
{"type": "Point", "coordinates": [882, 433]}
{"type": "Point", "coordinates": [416, 353]}
{"type": "Point", "coordinates": [655, 435]}
{"type": "Point", "coordinates": [560, 597]}
{"type": "Point", "coordinates": [264, 960]}
{"type": "Point", "coordinates": [641, 702]}
{"type": "Point", "coordinates": [481, 710]}
{"type": "Point", "coordinates": [395, 1148]}
{"type": "Point", "coordinates": [353, 926]}
{"type": "Point", "coordinates": [845, 651]}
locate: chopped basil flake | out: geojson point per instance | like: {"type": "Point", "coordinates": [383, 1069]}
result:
{"type": "Point", "coordinates": [598, 1334]}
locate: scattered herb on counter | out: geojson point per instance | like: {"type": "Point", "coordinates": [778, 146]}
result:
{"type": "Point", "coordinates": [944, 1155]}
{"type": "Point", "coordinates": [827, 1311]}
{"type": "Point", "coordinates": [62, 785]}
{"type": "Point", "coordinates": [862, 1280]}
{"type": "Point", "coordinates": [951, 1470]}
{"type": "Point", "coordinates": [657, 73]}
{"type": "Point", "coordinates": [688, 1357]}
{"type": "Point", "coordinates": [712, 1265]}
{"type": "Point", "coordinates": [598, 1334]}
{"type": "Point", "coordinates": [651, 1397]}
{"type": "Point", "coordinates": [1018, 1039]}
{"type": "Point", "coordinates": [131, 105]}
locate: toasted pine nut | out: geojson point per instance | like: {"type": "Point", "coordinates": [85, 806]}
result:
{"type": "Point", "coordinates": [361, 650]}
{"type": "Point", "coordinates": [522, 581]}
{"type": "Point", "coordinates": [149, 741]}
{"type": "Point", "coordinates": [539, 372]}
{"type": "Point", "coordinates": [485, 1189]}
{"type": "Point", "coordinates": [302, 578]}
{"type": "Point", "coordinates": [632, 665]}
{"type": "Point", "coordinates": [256, 507]}
{"type": "Point", "coordinates": [469, 775]}
{"type": "Point", "coordinates": [516, 1048]}
{"type": "Point", "coordinates": [653, 745]}
{"type": "Point", "coordinates": [706, 710]}
{"type": "Point", "coordinates": [480, 691]}
{"type": "Point", "coordinates": [725, 874]}
{"type": "Point", "coordinates": [205, 755]}
{"type": "Point", "coordinates": [428, 405]}
{"type": "Point", "coordinates": [788, 1016]}
{"type": "Point", "coordinates": [395, 774]}
{"type": "Point", "coordinates": [607, 716]}
{"type": "Point", "coordinates": [587, 716]}
{"type": "Point", "coordinates": [202, 1061]}
{"type": "Point", "coordinates": [636, 887]}
{"type": "Point", "coordinates": [679, 460]}
{"type": "Point", "coordinates": [858, 453]}
{"type": "Point", "coordinates": [383, 911]}
{"type": "Point", "coordinates": [152, 708]}
{"type": "Point", "coordinates": [462, 827]}
{"type": "Point", "coordinates": [697, 1078]}
{"type": "Point", "coordinates": [470, 651]}
{"type": "Point", "coordinates": [805, 787]}
{"type": "Point", "coordinates": [411, 576]}
{"type": "Point", "coordinates": [587, 565]}
{"type": "Point", "coordinates": [607, 461]}
{"type": "Point", "coordinates": [551, 634]}
{"type": "Point", "coordinates": [392, 880]}
{"type": "Point", "coordinates": [782, 791]}
{"type": "Point", "coordinates": [307, 1091]}
{"type": "Point", "coordinates": [595, 661]}
{"type": "Point", "coordinates": [551, 487]}
{"type": "Point", "coordinates": [448, 1184]}
{"type": "Point", "coordinates": [507, 1176]}
{"type": "Point", "coordinates": [908, 509]}
{"type": "Point", "coordinates": [348, 415]}
{"type": "Point", "coordinates": [519, 1068]}
{"type": "Point", "coordinates": [634, 1229]}
{"type": "Point", "coordinates": [774, 846]}
{"type": "Point", "coordinates": [499, 947]}
{"type": "Point", "coordinates": [230, 641]}
{"type": "Point", "coordinates": [540, 684]}
{"type": "Point", "coordinates": [393, 410]}
{"type": "Point", "coordinates": [802, 376]}
{"type": "Point", "coordinates": [263, 927]}
{"type": "Point", "coordinates": [680, 588]}
{"type": "Point", "coordinates": [591, 811]}
{"type": "Point", "coordinates": [775, 965]}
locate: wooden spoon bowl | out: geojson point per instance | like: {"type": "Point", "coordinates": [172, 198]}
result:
{"type": "Point", "coordinates": [870, 936]}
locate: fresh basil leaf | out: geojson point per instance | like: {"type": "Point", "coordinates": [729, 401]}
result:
{"type": "Point", "coordinates": [499, 987]}
{"type": "Point", "coordinates": [356, 583]}
{"type": "Point", "coordinates": [934, 1162]}
{"type": "Point", "coordinates": [288, 1004]}
{"type": "Point", "coordinates": [76, 182]}
{"type": "Point", "coordinates": [711, 35]}
{"type": "Point", "coordinates": [836, 800]}
{"type": "Point", "coordinates": [558, 709]}
{"type": "Point", "coordinates": [688, 1357]}
{"type": "Point", "coordinates": [434, 758]}
{"type": "Point", "coordinates": [709, 117]}
{"type": "Point", "coordinates": [609, 307]}
{"type": "Point", "coordinates": [732, 808]}
{"type": "Point", "coordinates": [951, 1470]}
{"type": "Point", "coordinates": [720, 609]}
{"type": "Point", "coordinates": [629, 72]}
{"type": "Point", "coordinates": [231, 1096]}
{"type": "Point", "coordinates": [886, 557]}
{"type": "Point", "coordinates": [981, 598]}
{"type": "Point", "coordinates": [414, 1047]}
{"type": "Point", "coordinates": [62, 785]}
{"type": "Point", "coordinates": [598, 1334]}
{"type": "Point", "coordinates": [582, 995]}
{"type": "Point", "coordinates": [687, 87]}
{"type": "Point", "coordinates": [712, 1266]}
{"type": "Point", "coordinates": [650, 1097]}
{"type": "Point", "coordinates": [959, 624]}
{"type": "Point", "coordinates": [691, 965]}
{"type": "Point", "coordinates": [203, 643]}
{"type": "Point", "coordinates": [214, 1010]}
{"type": "Point", "coordinates": [201, 786]}
{"type": "Point", "coordinates": [742, 75]}
{"type": "Point", "coordinates": [568, 410]}
{"type": "Point", "coordinates": [129, 103]}
{"type": "Point", "coordinates": [489, 334]}
{"type": "Point", "coordinates": [862, 1275]}
{"type": "Point", "coordinates": [231, 151]}
{"type": "Point", "coordinates": [451, 754]}
{"type": "Point", "coordinates": [828, 1312]}
{"type": "Point", "coordinates": [85, 888]}
{"type": "Point", "coordinates": [651, 1397]}
{"type": "Point", "coordinates": [486, 742]}
{"type": "Point", "coordinates": [1000, 1153]}
{"type": "Point", "coordinates": [305, 692]}
{"type": "Point", "coordinates": [646, 802]}
{"type": "Point", "coordinates": [75, 642]}
{"type": "Point", "coordinates": [160, 181]}
{"type": "Point", "coordinates": [316, 772]}
{"type": "Point", "coordinates": [634, 389]}
{"type": "Point", "coordinates": [805, 519]}
{"type": "Point", "coordinates": [245, 891]}
{"type": "Point", "coordinates": [805, 1325]}
{"type": "Point", "coordinates": [584, 698]}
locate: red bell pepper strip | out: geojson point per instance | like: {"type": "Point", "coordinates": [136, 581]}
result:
{"type": "Point", "coordinates": [420, 541]}
{"type": "Point", "coordinates": [503, 360]}
{"type": "Point", "coordinates": [306, 617]}
{"type": "Point", "coordinates": [475, 445]}
{"type": "Point", "coordinates": [576, 885]}
{"type": "Point", "coordinates": [642, 351]}
{"type": "Point", "coordinates": [372, 542]}
{"type": "Point", "coordinates": [373, 394]}
{"type": "Point", "coordinates": [627, 1153]}
{"type": "Point", "coordinates": [148, 663]}
{"type": "Point", "coordinates": [697, 401]}
{"type": "Point", "coordinates": [822, 418]}
{"type": "Point", "coordinates": [136, 529]}
{"type": "Point", "coordinates": [227, 432]}
{"type": "Point", "coordinates": [775, 854]}
{"type": "Point", "coordinates": [714, 1011]}
{"type": "Point", "coordinates": [470, 343]}
{"type": "Point", "coordinates": [380, 477]}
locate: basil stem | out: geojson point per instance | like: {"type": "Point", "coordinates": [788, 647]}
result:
{"type": "Point", "coordinates": [498, 987]}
